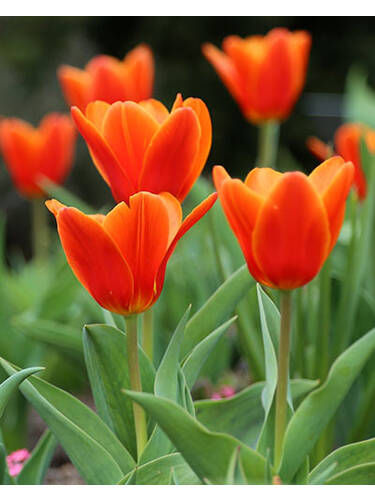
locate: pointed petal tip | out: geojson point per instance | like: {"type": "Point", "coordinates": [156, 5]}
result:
{"type": "Point", "coordinates": [54, 206]}
{"type": "Point", "coordinates": [219, 175]}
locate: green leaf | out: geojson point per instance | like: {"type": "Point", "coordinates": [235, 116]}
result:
{"type": "Point", "coordinates": [198, 356]}
{"type": "Point", "coordinates": [9, 386]}
{"type": "Point", "coordinates": [217, 308]}
{"type": "Point", "coordinates": [79, 430]}
{"type": "Point", "coordinates": [208, 454]}
{"type": "Point", "coordinates": [65, 196]}
{"type": "Point", "coordinates": [35, 468]}
{"type": "Point", "coordinates": [360, 474]}
{"type": "Point", "coordinates": [105, 353]}
{"type": "Point", "coordinates": [344, 458]}
{"type": "Point", "coordinates": [359, 98]}
{"type": "Point", "coordinates": [242, 414]}
{"type": "Point", "coordinates": [317, 409]}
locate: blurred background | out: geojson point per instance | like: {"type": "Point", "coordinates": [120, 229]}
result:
{"type": "Point", "coordinates": [31, 48]}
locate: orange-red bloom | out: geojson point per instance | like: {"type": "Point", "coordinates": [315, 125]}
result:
{"type": "Point", "coordinates": [121, 258]}
{"type": "Point", "coordinates": [264, 74]}
{"type": "Point", "coordinates": [286, 224]}
{"type": "Point", "coordinates": [33, 154]}
{"type": "Point", "coordinates": [108, 79]}
{"type": "Point", "coordinates": [348, 145]}
{"type": "Point", "coordinates": [143, 147]}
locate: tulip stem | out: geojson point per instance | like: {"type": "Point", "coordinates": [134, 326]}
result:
{"type": "Point", "coordinates": [40, 230]}
{"type": "Point", "coordinates": [283, 372]}
{"type": "Point", "coordinates": [135, 382]}
{"type": "Point", "coordinates": [268, 143]}
{"type": "Point", "coordinates": [148, 334]}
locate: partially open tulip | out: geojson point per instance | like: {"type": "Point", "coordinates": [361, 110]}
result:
{"type": "Point", "coordinates": [143, 147]}
{"type": "Point", "coordinates": [264, 74]}
{"type": "Point", "coordinates": [286, 224]}
{"type": "Point", "coordinates": [34, 154]}
{"type": "Point", "coordinates": [121, 258]}
{"type": "Point", "coordinates": [109, 79]}
{"type": "Point", "coordinates": [347, 142]}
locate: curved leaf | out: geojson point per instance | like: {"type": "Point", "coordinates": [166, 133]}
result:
{"type": "Point", "coordinates": [10, 385]}
{"type": "Point", "coordinates": [35, 468]}
{"type": "Point", "coordinates": [360, 474]}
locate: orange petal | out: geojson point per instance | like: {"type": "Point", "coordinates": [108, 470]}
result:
{"type": "Point", "coordinates": [189, 221]}
{"type": "Point", "coordinates": [241, 206]}
{"type": "Point", "coordinates": [141, 231]}
{"type": "Point", "coordinates": [75, 84]}
{"type": "Point", "coordinates": [128, 129]}
{"type": "Point", "coordinates": [95, 259]}
{"type": "Point", "coordinates": [318, 148]}
{"type": "Point", "coordinates": [96, 111]}
{"type": "Point", "coordinates": [203, 115]}
{"type": "Point", "coordinates": [108, 80]}
{"type": "Point", "coordinates": [291, 237]}
{"type": "Point", "coordinates": [172, 151]}
{"type": "Point", "coordinates": [156, 109]}
{"type": "Point", "coordinates": [178, 102]}
{"type": "Point", "coordinates": [104, 157]}
{"type": "Point", "coordinates": [262, 180]}
{"type": "Point", "coordinates": [140, 66]}
{"type": "Point", "coordinates": [333, 179]}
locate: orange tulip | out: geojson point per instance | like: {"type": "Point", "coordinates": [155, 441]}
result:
{"type": "Point", "coordinates": [32, 154]}
{"type": "Point", "coordinates": [121, 258]}
{"type": "Point", "coordinates": [347, 144]}
{"type": "Point", "coordinates": [143, 147]}
{"type": "Point", "coordinates": [264, 74]}
{"type": "Point", "coordinates": [109, 79]}
{"type": "Point", "coordinates": [286, 224]}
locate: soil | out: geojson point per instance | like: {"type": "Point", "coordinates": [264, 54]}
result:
{"type": "Point", "coordinates": [66, 474]}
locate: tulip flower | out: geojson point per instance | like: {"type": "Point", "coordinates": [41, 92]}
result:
{"type": "Point", "coordinates": [15, 461]}
{"type": "Point", "coordinates": [121, 258]}
{"type": "Point", "coordinates": [143, 147]}
{"type": "Point", "coordinates": [264, 74]}
{"type": "Point", "coordinates": [347, 142]}
{"type": "Point", "coordinates": [33, 154]}
{"type": "Point", "coordinates": [286, 224]}
{"type": "Point", "coordinates": [108, 79]}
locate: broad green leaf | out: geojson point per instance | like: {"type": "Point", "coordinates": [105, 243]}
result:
{"type": "Point", "coordinates": [3, 463]}
{"type": "Point", "coordinates": [360, 474]}
{"type": "Point", "coordinates": [359, 98]}
{"type": "Point", "coordinates": [106, 357]}
{"type": "Point", "coordinates": [198, 356]}
{"type": "Point", "coordinates": [317, 409]}
{"type": "Point", "coordinates": [242, 414]}
{"type": "Point", "coordinates": [79, 430]}
{"type": "Point", "coordinates": [344, 458]}
{"type": "Point", "coordinates": [207, 453]}
{"type": "Point", "coordinates": [35, 468]}
{"type": "Point", "coordinates": [216, 309]}
{"type": "Point", "coordinates": [9, 386]}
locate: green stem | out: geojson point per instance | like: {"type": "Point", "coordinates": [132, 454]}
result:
{"type": "Point", "coordinates": [322, 352]}
{"type": "Point", "coordinates": [40, 230]}
{"type": "Point", "coordinates": [135, 382]}
{"type": "Point", "coordinates": [283, 371]}
{"type": "Point", "coordinates": [148, 334]}
{"type": "Point", "coordinates": [268, 143]}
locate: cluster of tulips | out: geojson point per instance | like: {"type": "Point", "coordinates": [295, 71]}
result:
{"type": "Point", "coordinates": [147, 429]}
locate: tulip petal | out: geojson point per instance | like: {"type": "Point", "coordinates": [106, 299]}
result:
{"type": "Point", "coordinates": [128, 129]}
{"type": "Point", "coordinates": [75, 84]}
{"type": "Point", "coordinates": [95, 259]}
{"type": "Point", "coordinates": [171, 153]}
{"type": "Point", "coordinates": [333, 179]}
{"type": "Point", "coordinates": [156, 109]}
{"type": "Point", "coordinates": [104, 157]}
{"type": "Point", "coordinates": [318, 148]}
{"type": "Point", "coordinates": [291, 237]}
{"type": "Point", "coordinates": [140, 67]}
{"type": "Point", "coordinates": [96, 111]}
{"type": "Point", "coordinates": [141, 231]}
{"type": "Point", "coordinates": [262, 180]}
{"type": "Point", "coordinates": [108, 80]}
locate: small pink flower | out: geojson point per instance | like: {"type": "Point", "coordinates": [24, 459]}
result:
{"type": "Point", "coordinates": [215, 395]}
{"type": "Point", "coordinates": [16, 461]}
{"type": "Point", "coordinates": [227, 391]}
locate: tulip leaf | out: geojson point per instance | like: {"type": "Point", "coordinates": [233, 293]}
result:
{"type": "Point", "coordinates": [105, 353]}
{"type": "Point", "coordinates": [344, 458]}
{"type": "Point", "coordinates": [35, 468]}
{"type": "Point", "coordinates": [359, 474]}
{"type": "Point", "coordinates": [217, 308]}
{"type": "Point", "coordinates": [65, 196]}
{"type": "Point", "coordinates": [318, 408]}
{"type": "Point", "coordinates": [208, 453]}
{"type": "Point", "coordinates": [79, 430]}
{"type": "Point", "coordinates": [198, 356]}
{"type": "Point", "coordinates": [242, 414]}
{"type": "Point", "coordinates": [9, 386]}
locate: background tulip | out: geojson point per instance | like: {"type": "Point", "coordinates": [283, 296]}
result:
{"type": "Point", "coordinates": [121, 258]}
{"type": "Point", "coordinates": [32, 154]}
{"type": "Point", "coordinates": [108, 79]}
{"type": "Point", "coordinates": [286, 224]}
{"type": "Point", "coordinates": [143, 147]}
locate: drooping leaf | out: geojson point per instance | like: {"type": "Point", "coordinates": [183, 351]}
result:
{"type": "Point", "coordinates": [207, 453]}
{"type": "Point", "coordinates": [9, 386]}
{"type": "Point", "coordinates": [35, 468]}
{"type": "Point", "coordinates": [105, 353]}
{"type": "Point", "coordinates": [79, 430]}
{"type": "Point", "coordinates": [317, 409]}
